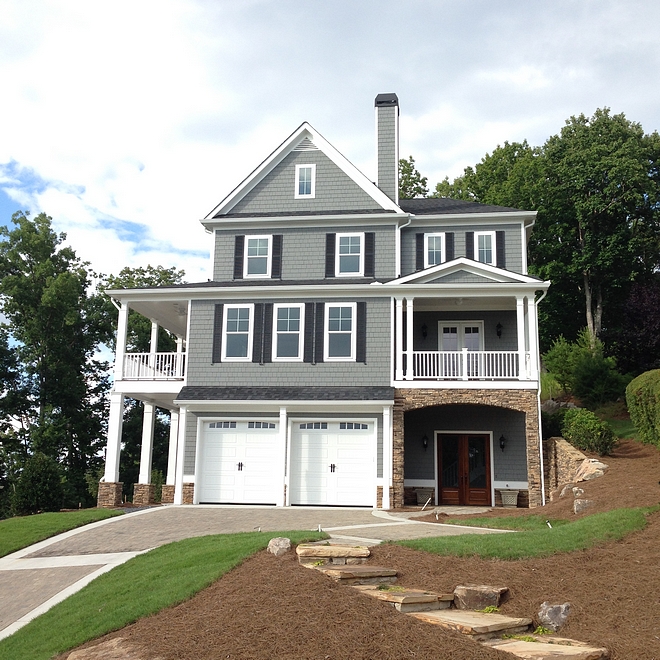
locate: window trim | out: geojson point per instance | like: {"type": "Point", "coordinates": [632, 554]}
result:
{"type": "Point", "coordinates": [296, 190]}
{"type": "Point", "coordinates": [250, 332]}
{"type": "Point", "coordinates": [326, 333]}
{"type": "Point", "coordinates": [301, 332]}
{"type": "Point", "coordinates": [269, 258]}
{"type": "Point", "coordinates": [493, 247]}
{"type": "Point", "coordinates": [338, 237]}
{"type": "Point", "coordinates": [427, 263]}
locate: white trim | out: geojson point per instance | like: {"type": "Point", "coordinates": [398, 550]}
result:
{"type": "Point", "coordinates": [493, 247]}
{"type": "Point", "coordinates": [301, 331]}
{"type": "Point", "coordinates": [338, 255]}
{"type": "Point", "coordinates": [466, 384]}
{"type": "Point", "coordinates": [269, 257]}
{"type": "Point", "coordinates": [511, 485]}
{"type": "Point", "coordinates": [326, 332]}
{"type": "Point", "coordinates": [499, 217]}
{"type": "Point", "coordinates": [250, 332]}
{"type": "Point", "coordinates": [296, 193]}
{"type": "Point", "coordinates": [443, 248]}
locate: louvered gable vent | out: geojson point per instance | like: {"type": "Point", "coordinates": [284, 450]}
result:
{"type": "Point", "coordinates": [306, 145]}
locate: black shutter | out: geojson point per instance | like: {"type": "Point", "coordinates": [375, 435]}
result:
{"type": "Point", "coordinates": [361, 328]}
{"type": "Point", "coordinates": [469, 244]}
{"type": "Point", "coordinates": [369, 254]}
{"type": "Point", "coordinates": [239, 248]}
{"type": "Point", "coordinates": [217, 335]}
{"type": "Point", "coordinates": [449, 245]}
{"type": "Point", "coordinates": [500, 252]}
{"type": "Point", "coordinates": [276, 266]}
{"type": "Point", "coordinates": [267, 339]}
{"type": "Point", "coordinates": [330, 255]}
{"type": "Point", "coordinates": [308, 350]}
{"type": "Point", "coordinates": [318, 332]}
{"type": "Point", "coordinates": [419, 251]}
{"type": "Point", "coordinates": [258, 333]}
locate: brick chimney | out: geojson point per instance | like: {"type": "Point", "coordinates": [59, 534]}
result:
{"type": "Point", "coordinates": [387, 144]}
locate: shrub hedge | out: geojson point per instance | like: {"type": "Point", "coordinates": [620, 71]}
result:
{"type": "Point", "coordinates": [585, 431]}
{"type": "Point", "coordinates": [643, 399]}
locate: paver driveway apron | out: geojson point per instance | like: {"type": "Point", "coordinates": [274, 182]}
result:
{"type": "Point", "coordinates": [34, 579]}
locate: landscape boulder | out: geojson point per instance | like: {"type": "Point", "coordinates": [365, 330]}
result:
{"type": "Point", "coordinates": [478, 596]}
{"type": "Point", "coordinates": [591, 468]}
{"type": "Point", "coordinates": [566, 490]}
{"type": "Point", "coordinates": [578, 492]}
{"type": "Point", "coordinates": [279, 546]}
{"type": "Point", "coordinates": [553, 616]}
{"type": "Point", "coordinates": [580, 505]}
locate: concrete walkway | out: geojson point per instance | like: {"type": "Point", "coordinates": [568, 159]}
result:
{"type": "Point", "coordinates": [34, 579]}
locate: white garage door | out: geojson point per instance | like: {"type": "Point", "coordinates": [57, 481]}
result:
{"type": "Point", "coordinates": [333, 463]}
{"type": "Point", "coordinates": [239, 463]}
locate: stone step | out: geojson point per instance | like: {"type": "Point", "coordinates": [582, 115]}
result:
{"type": "Point", "coordinates": [548, 648]}
{"type": "Point", "coordinates": [407, 600]}
{"type": "Point", "coordinates": [478, 625]}
{"type": "Point", "coordinates": [361, 574]}
{"type": "Point", "coordinates": [318, 554]}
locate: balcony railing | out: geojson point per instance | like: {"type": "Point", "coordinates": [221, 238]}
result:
{"type": "Point", "coordinates": [154, 366]}
{"type": "Point", "coordinates": [467, 365]}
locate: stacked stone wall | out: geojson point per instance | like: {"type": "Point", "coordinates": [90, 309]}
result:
{"type": "Point", "coordinates": [562, 461]}
{"type": "Point", "coordinates": [109, 495]}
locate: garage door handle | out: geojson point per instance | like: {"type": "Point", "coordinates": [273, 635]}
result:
{"type": "Point", "coordinates": [240, 467]}
{"type": "Point", "coordinates": [333, 467]}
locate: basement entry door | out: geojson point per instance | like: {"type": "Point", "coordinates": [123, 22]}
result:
{"type": "Point", "coordinates": [238, 462]}
{"type": "Point", "coordinates": [333, 463]}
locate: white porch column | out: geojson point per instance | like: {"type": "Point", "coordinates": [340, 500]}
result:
{"type": "Point", "coordinates": [179, 356]}
{"type": "Point", "coordinates": [398, 371]}
{"type": "Point", "coordinates": [520, 327]}
{"type": "Point", "coordinates": [387, 456]}
{"type": "Point", "coordinates": [533, 339]}
{"type": "Point", "coordinates": [409, 339]}
{"type": "Point", "coordinates": [153, 346]}
{"type": "Point", "coordinates": [120, 350]}
{"type": "Point", "coordinates": [146, 451]}
{"type": "Point", "coordinates": [171, 454]}
{"type": "Point", "coordinates": [180, 455]}
{"type": "Point", "coordinates": [113, 447]}
{"type": "Point", "coordinates": [281, 456]}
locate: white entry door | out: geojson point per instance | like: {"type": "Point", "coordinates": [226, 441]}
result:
{"type": "Point", "coordinates": [333, 463]}
{"type": "Point", "coordinates": [238, 463]}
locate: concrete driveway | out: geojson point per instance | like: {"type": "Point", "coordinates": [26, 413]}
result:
{"type": "Point", "coordinates": [34, 579]}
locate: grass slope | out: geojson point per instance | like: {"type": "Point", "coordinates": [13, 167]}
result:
{"type": "Point", "coordinates": [542, 542]}
{"type": "Point", "coordinates": [144, 585]}
{"type": "Point", "coordinates": [521, 523]}
{"type": "Point", "coordinates": [22, 531]}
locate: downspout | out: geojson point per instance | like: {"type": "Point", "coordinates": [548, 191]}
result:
{"type": "Point", "coordinates": [536, 303]}
{"type": "Point", "coordinates": [397, 246]}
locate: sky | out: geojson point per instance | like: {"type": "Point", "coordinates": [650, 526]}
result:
{"type": "Point", "coordinates": [128, 121]}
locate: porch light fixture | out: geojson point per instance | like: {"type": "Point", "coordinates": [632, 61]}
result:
{"type": "Point", "coordinates": [425, 331]}
{"type": "Point", "coordinates": [498, 329]}
{"type": "Point", "coordinates": [502, 442]}
{"type": "Point", "coordinates": [425, 442]}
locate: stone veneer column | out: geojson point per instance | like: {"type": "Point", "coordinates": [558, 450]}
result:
{"type": "Point", "coordinates": [109, 495]}
{"type": "Point", "coordinates": [143, 494]}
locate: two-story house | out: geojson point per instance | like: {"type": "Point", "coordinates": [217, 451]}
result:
{"type": "Point", "coordinates": [349, 346]}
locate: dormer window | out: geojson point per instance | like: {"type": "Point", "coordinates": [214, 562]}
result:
{"type": "Point", "coordinates": [305, 181]}
{"type": "Point", "coordinates": [350, 254]}
{"type": "Point", "coordinates": [258, 253]}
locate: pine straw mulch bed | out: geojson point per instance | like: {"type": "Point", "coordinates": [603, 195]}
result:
{"type": "Point", "coordinates": [273, 608]}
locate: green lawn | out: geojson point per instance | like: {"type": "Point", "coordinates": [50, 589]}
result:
{"type": "Point", "coordinates": [523, 523]}
{"type": "Point", "coordinates": [19, 532]}
{"type": "Point", "coordinates": [541, 542]}
{"type": "Point", "coordinates": [144, 585]}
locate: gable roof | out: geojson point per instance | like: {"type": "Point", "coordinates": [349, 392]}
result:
{"type": "Point", "coordinates": [304, 134]}
{"type": "Point", "coordinates": [447, 206]}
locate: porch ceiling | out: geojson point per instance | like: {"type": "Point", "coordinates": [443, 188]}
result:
{"type": "Point", "coordinates": [169, 314]}
{"type": "Point", "coordinates": [457, 304]}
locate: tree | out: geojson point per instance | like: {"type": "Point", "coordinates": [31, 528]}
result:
{"type": "Point", "coordinates": [39, 488]}
{"type": "Point", "coordinates": [411, 183]}
{"type": "Point", "coordinates": [56, 329]}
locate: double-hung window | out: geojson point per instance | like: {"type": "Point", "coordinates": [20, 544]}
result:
{"type": "Point", "coordinates": [434, 249]}
{"type": "Point", "coordinates": [485, 247]}
{"type": "Point", "coordinates": [305, 182]}
{"type": "Point", "coordinates": [350, 255]}
{"type": "Point", "coordinates": [288, 335]}
{"type": "Point", "coordinates": [237, 333]}
{"type": "Point", "coordinates": [340, 334]}
{"type": "Point", "coordinates": [258, 256]}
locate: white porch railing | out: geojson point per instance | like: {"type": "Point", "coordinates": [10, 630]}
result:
{"type": "Point", "coordinates": [154, 366]}
{"type": "Point", "coordinates": [467, 365]}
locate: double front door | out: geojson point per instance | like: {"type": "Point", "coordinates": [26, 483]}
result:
{"type": "Point", "coordinates": [464, 469]}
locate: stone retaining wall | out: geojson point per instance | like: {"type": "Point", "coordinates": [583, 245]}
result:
{"type": "Point", "coordinates": [562, 461]}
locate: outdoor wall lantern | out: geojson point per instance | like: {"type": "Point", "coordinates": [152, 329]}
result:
{"type": "Point", "coordinates": [502, 442]}
{"type": "Point", "coordinates": [425, 331]}
{"type": "Point", "coordinates": [498, 329]}
{"type": "Point", "coordinates": [425, 442]}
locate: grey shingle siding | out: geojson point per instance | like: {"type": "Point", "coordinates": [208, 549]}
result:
{"type": "Point", "coordinates": [334, 189]}
{"type": "Point", "coordinates": [387, 157]}
{"type": "Point", "coordinates": [462, 277]}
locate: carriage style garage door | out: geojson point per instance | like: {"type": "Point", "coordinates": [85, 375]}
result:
{"type": "Point", "coordinates": [238, 463]}
{"type": "Point", "coordinates": [333, 463]}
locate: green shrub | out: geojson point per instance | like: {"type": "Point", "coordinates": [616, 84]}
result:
{"type": "Point", "coordinates": [643, 399]}
{"type": "Point", "coordinates": [585, 431]}
{"type": "Point", "coordinates": [552, 423]}
{"type": "Point", "coordinates": [39, 488]}
{"type": "Point", "coordinates": [596, 380]}
{"type": "Point", "coordinates": [560, 362]}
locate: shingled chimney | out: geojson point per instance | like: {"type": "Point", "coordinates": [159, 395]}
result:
{"type": "Point", "coordinates": [387, 144]}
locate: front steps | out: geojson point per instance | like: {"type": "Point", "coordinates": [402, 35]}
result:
{"type": "Point", "coordinates": [346, 565]}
